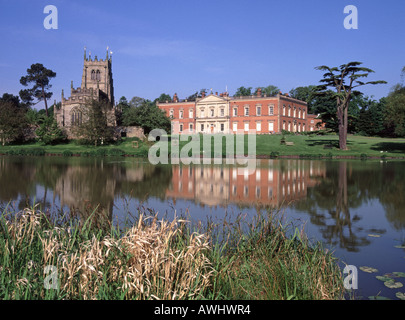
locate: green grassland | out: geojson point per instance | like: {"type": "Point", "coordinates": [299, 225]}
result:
{"type": "Point", "coordinates": [304, 146]}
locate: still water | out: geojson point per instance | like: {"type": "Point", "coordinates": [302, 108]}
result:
{"type": "Point", "coordinates": [356, 208]}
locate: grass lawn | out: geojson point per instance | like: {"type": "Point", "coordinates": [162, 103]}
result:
{"type": "Point", "coordinates": [329, 145]}
{"type": "Point", "coordinates": [266, 145]}
{"type": "Point", "coordinates": [128, 146]}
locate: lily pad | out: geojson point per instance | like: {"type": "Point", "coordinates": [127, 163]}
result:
{"type": "Point", "coordinates": [378, 298]}
{"type": "Point", "coordinates": [384, 278]}
{"type": "Point", "coordinates": [393, 285]}
{"type": "Point", "coordinates": [368, 269]}
{"type": "Point", "coordinates": [399, 274]}
{"type": "Point", "coordinates": [400, 295]}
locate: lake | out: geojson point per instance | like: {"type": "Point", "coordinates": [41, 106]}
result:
{"type": "Point", "coordinates": [356, 208]}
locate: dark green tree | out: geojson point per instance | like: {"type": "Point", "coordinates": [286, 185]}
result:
{"type": "Point", "coordinates": [370, 121]}
{"type": "Point", "coordinates": [305, 94]}
{"type": "Point", "coordinates": [242, 91]}
{"type": "Point", "coordinates": [395, 110]}
{"type": "Point", "coordinates": [343, 80]}
{"type": "Point", "coordinates": [39, 77]}
{"type": "Point", "coordinates": [98, 121]}
{"type": "Point", "coordinates": [148, 116]}
{"type": "Point", "coordinates": [49, 132]}
{"type": "Point", "coordinates": [269, 91]}
{"type": "Point", "coordinates": [13, 122]}
{"type": "Point", "coordinates": [163, 98]}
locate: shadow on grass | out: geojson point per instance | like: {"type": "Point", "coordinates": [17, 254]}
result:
{"type": "Point", "coordinates": [327, 144]}
{"type": "Point", "coordinates": [394, 147]}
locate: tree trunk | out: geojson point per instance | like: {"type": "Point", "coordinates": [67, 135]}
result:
{"type": "Point", "coordinates": [341, 127]}
{"type": "Point", "coordinates": [46, 103]}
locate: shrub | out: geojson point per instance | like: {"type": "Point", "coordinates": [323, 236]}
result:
{"type": "Point", "coordinates": [36, 151]}
{"type": "Point", "coordinates": [67, 153]}
{"type": "Point", "coordinates": [101, 152]}
{"type": "Point", "coordinates": [116, 152]}
{"type": "Point", "coordinates": [274, 154]}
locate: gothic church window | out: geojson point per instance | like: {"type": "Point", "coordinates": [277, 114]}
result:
{"type": "Point", "coordinates": [93, 75]}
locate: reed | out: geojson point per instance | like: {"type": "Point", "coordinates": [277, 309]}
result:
{"type": "Point", "coordinates": [161, 259]}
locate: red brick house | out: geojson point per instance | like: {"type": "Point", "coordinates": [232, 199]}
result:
{"type": "Point", "coordinates": [223, 114]}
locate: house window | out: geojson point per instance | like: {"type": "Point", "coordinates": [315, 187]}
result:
{"type": "Point", "coordinates": [289, 125]}
{"type": "Point", "coordinates": [271, 110]}
{"type": "Point", "coordinates": [235, 111]}
{"type": "Point", "coordinates": [190, 127]}
{"type": "Point", "coordinates": [202, 113]}
{"type": "Point", "coordinates": [190, 113]}
{"type": "Point", "coordinates": [181, 114]}
{"type": "Point", "coordinates": [283, 125]}
{"type": "Point", "coordinates": [222, 127]}
{"type": "Point", "coordinates": [258, 110]}
{"type": "Point", "coordinates": [222, 112]}
{"type": "Point", "coordinates": [235, 126]}
{"type": "Point", "coordinates": [258, 126]}
{"type": "Point", "coordinates": [181, 128]}
{"type": "Point", "coordinates": [299, 113]}
{"type": "Point", "coordinates": [246, 111]}
{"type": "Point", "coordinates": [202, 127]}
{"type": "Point", "coordinates": [303, 127]}
{"type": "Point", "coordinates": [171, 113]}
{"type": "Point", "coordinates": [212, 112]}
{"type": "Point", "coordinates": [303, 114]}
{"type": "Point", "coordinates": [98, 75]}
{"type": "Point", "coordinates": [93, 75]}
{"type": "Point", "coordinates": [246, 126]}
{"type": "Point", "coordinates": [283, 110]}
{"type": "Point", "coordinates": [271, 126]}
{"type": "Point", "coordinates": [289, 111]}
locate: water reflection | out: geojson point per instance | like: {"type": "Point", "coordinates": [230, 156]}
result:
{"type": "Point", "coordinates": [272, 185]}
{"type": "Point", "coordinates": [331, 193]}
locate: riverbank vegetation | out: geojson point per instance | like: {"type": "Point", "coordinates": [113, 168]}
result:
{"type": "Point", "coordinates": [304, 145]}
{"type": "Point", "coordinates": [53, 257]}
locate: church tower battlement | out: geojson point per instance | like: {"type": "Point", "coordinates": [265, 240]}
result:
{"type": "Point", "coordinates": [97, 84]}
{"type": "Point", "coordinates": [97, 74]}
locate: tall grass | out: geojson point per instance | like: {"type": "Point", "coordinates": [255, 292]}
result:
{"type": "Point", "coordinates": [161, 259]}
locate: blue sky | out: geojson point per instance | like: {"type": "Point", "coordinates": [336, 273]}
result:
{"type": "Point", "coordinates": [183, 46]}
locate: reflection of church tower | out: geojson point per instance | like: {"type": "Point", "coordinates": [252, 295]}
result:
{"type": "Point", "coordinates": [97, 84]}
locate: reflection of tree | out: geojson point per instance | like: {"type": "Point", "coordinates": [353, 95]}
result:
{"type": "Point", "coordinates": [16, 180]}
{"type": "Point", "coordinates": [153, 182]}
{"type": "Point", "coordinates": [392, 191]}
{"type": "Point", "coordinates": [82, 184]}
{"type": "Point", "coordinates": [335, 195]}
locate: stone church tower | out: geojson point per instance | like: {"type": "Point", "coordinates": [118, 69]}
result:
{"type": "Point", "coordinates": [97, 84]}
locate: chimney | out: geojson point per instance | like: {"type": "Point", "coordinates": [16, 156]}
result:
{"type": "Point", "coordinates": [175, 99]}
{"type": "Point", "coordinates": [216, 93]}
{"type": "Point", "coordinates": [203, 94]}
{"type": "Point", "coordinates": [259, 92]}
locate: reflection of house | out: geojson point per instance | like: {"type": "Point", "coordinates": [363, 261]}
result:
{"type": "Point", "coordinates": [270, 186]}
{"type": "Point", "coordinates": [224, 114]}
